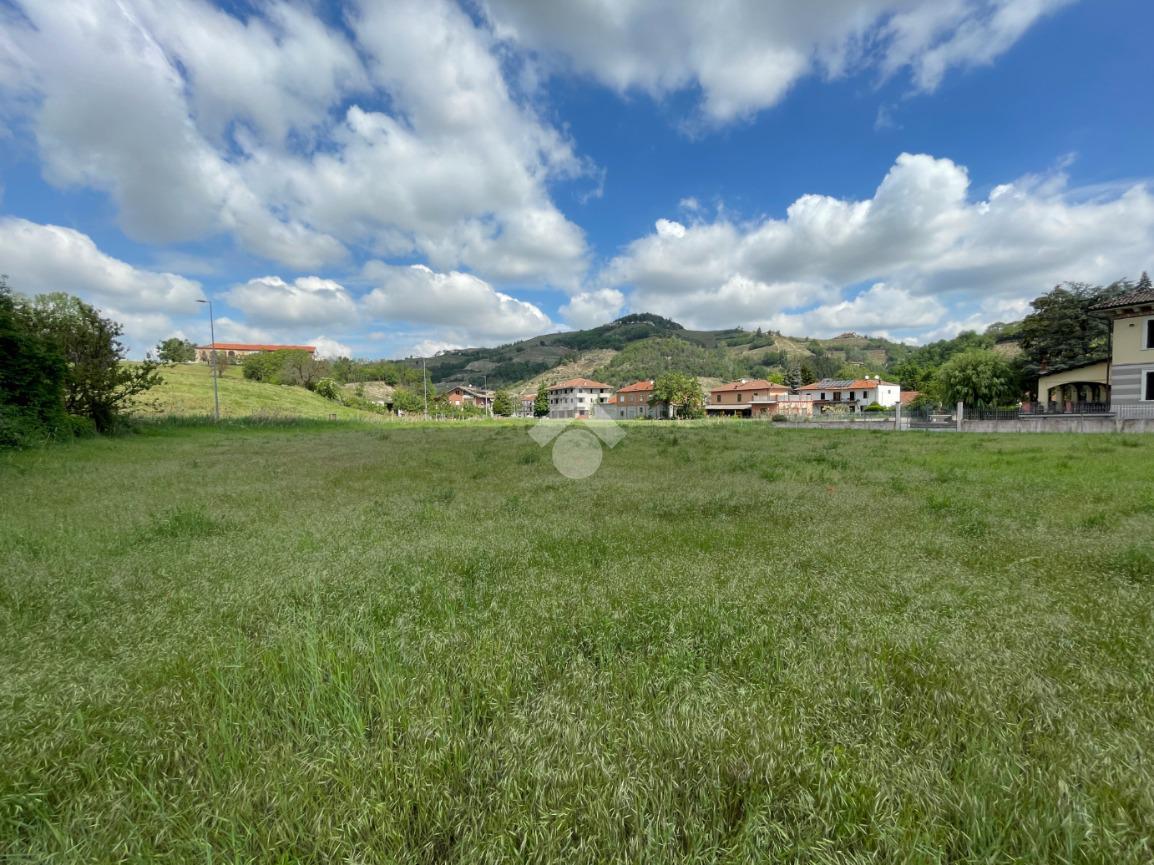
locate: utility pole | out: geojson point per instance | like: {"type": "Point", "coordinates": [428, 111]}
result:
{"type": "Point", "coordinates": [212, 360]}
{"type": "Point", "coordinates": [425, 387]}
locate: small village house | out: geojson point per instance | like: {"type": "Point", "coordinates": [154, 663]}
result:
{"type": "Point", "coordinates": [462, 395]}
{"type": "Point", "coordinates": [526, 403]}
{"type": "Point", "coordinates": [237, 351]}
{"type": "Point", "coordinates": [1131, 364]}
{"type": "Point", "coordinates": [636, 401]}
{"type": "Point", "coordinates": [746, 398]}
{"type": "Point", "coordinates": [577, 397]}
{"type": "Point", "coordinates": [851, 394]}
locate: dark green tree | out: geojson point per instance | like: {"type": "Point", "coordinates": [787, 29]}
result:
{"type": "Point", "coordinates": [98, 384]}
{"type": "Point", "coordinates": [1062, 331]}
{"type": "Point", "coordinates": [32, 375]}
{"type": "Point", "coordinates": [176, 350]}
{"type": "Point", "coordinates": [541, 403]}
{"type": "Point", "coordinates": [503, 403]}
{"type": "Point", "coordinates": [978, 377]}
{"type": "Point", "coordinates": [681, 392]}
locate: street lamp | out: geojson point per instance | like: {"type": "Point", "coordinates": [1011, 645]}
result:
{"type": "Point", "coordinates": [212, 360]}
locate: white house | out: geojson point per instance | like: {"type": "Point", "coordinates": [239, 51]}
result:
{"type": "Point", "coordinates": [852, 394]}
{"type": "Point", "coordinates": [576, 397]}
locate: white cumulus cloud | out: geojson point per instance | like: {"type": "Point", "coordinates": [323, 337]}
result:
{"type": "Point", "coordinates": [303, 143]}
{"type": "Point", "coordinates": [269, 300]}
{"type": "Point", "coordinates": [43, 258]}
{"type": "Point", "coordinates": [591, 308]}
{"type": "Point", "coordinates": [463, 303]}
{"type": "Point", "coordinates": [330, 348]}
{"type": "Point", "coordinates": [920, 235]}
{"type": "Point", "coordinates": [744, 55]}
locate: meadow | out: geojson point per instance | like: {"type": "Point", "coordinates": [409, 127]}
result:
{"type": "Point", "coordinates": [186, 390]}
{"type": "Point", "coordinates": [341, 642]}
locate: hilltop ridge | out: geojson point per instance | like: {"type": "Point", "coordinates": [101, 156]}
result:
{"type": "Point", "coordinates": [643, 345]}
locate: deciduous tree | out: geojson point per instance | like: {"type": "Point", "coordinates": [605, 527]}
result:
{"type": "Point", "coordinates": [978, 377]}
{"type": "Point", "coordinates": [98, 384]}
{"type": "Point", "coordinates": [681, 392]}
{"type": "Point", "coordinates": [176, 350]}
{"type": "Point", "coordinates": [31, 377]}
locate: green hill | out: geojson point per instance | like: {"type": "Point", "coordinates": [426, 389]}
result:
{"type": "Point", "coordinates": [187, 390]}
{"type": "Point", "coordinates": [645, 345]}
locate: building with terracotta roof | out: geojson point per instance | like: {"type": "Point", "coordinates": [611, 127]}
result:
{"type": "Point", "coordinates": [461, 395]}
{"type": "Point", "coordinates": [851, 394]}
{"type": "Point", "coordinates": [747, 398]}
{"type": "Point", "coordinates": [636, 401]}
{"type": "Point", "coordinates": [236, 351]}
{"type": "Point", "coordinates": [526, 403]}
{"type": "Point", "coordinates": [577, 397]}
{"type": "Point", "coordinates": [1131, 371]}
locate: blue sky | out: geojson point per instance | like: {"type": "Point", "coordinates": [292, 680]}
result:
{"type": "Point", "coordinates": [400, 177]}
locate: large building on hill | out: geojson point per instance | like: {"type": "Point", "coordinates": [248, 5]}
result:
{"type": "Point", "coordinates": [1131, 374]}
{"type": "Point", "coordinates": [577, 397]}
{"type": "Point", "coordinates": [235, 351]}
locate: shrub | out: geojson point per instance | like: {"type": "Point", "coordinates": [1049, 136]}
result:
{"type": "Point", "coordinates": [779, 418]}
{"type": "Point", "coordinates": [329, 389]}
{"type": "Point", "coordinates": [875, 406]}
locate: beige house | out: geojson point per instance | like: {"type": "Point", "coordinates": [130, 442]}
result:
{"type": "Point", "coordinates": [1072, 388]}
{"type": "Point", "coordinates": [746, 398]}
{"type": "Point", "coordinates": [1131, 373]}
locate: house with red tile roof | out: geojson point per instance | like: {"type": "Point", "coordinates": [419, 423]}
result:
{"type": "Point", "coordinates": [463, 395]}
{"type": "Point", "coordinates": [577, 397]}
{"type": "Point", "coordinates": [746, 398]}
{"type": "Point", "coordinates": [851, 394]}
{"type": "Point", "coordinates": [636, 401]}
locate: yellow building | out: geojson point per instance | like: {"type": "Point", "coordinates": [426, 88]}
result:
{"type": "Point", "coordinates": [1132, 346]}
{"type": "Point", "coordinates": [1088, 383]}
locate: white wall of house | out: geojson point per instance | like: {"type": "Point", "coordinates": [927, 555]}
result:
{"type": "Point", "coordinates": [572, 402]}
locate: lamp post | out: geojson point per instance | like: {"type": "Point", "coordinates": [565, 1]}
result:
{"type": "Point", "coordinates": [212, 360]}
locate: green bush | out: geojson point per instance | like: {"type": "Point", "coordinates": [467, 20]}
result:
{"type": "Point", "coordinates": [329, 389]}
{"type": "Point", "coordinates": [875, 406]}
{"type": "Point", "coordinates": [79, 427]}
{"type": "Point", "coordinates": [779, 418]}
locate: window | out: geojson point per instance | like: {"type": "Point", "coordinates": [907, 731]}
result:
{"type": "Point", "coordinates": [1148, 385]}
{"type": "Point", "coordinates": [1149, 333]}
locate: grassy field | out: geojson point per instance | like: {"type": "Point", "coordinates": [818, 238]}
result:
{"type": "Point", "coordinates": [187, 390]}
{"type": "Point", "coordinates": [350, 643]}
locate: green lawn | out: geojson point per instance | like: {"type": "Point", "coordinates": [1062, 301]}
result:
{"type": "Point", "coordinates": [734, 643]}
{"type": "Point", "coordinates": [187, 390]}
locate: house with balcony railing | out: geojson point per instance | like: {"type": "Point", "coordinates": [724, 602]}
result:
{"type": "Point", "coordinates": [851, 395]}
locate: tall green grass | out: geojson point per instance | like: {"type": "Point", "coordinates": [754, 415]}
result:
{"type": "Point", "coordinates": [320, 643]}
